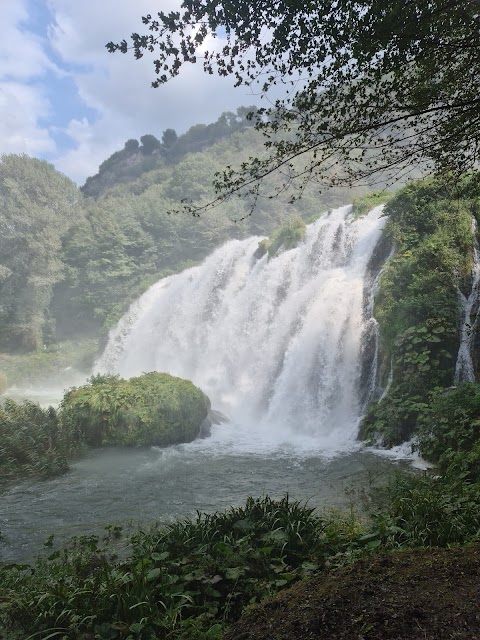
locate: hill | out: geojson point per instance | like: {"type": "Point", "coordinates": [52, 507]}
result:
{"type": "Point", "coordinates": [72, 263]}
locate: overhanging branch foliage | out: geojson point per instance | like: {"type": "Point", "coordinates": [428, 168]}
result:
{"type": "Point", "coordinates": [370, 88]}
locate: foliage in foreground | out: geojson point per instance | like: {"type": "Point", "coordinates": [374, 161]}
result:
{"type": "Point", "coordinates": [191, 578]}
{"type": "Point", "coordinates": [416, 58]}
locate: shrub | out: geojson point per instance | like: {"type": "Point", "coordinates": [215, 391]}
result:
{"type": "Point", "coordinates": [285, 237]}
{"type": "Point", "coordinates": [425, 511]}
{"type": "Point", "coordinates": [151, 409]}
{"type": "Point", "coordinates": [193, 575]}
{"type": "Point", "coordinates": [33, 441]}
{"type": "Point", "coordinates": [364, 204]}
{"type": "Point", "coordinates": [449, 431]}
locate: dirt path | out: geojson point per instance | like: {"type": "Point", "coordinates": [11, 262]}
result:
{"type": "Point", "coordinates": [413, 595]}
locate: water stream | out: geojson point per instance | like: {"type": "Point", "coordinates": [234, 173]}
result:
{"type": "Point", "coordinates": [276, 344]}
{"type": "Point", "coordinates": [464, 370]}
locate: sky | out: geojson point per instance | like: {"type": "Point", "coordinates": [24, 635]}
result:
{"type": "Point", "coordinates": [64, 98]}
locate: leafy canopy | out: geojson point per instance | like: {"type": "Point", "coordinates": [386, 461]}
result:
{"type": "Point", "coordinates": [370, 87]}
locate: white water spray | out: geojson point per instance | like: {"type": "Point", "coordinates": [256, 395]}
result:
{"type": "Point", "coordinates": [464, 369]}
{"type": "Point", "coordinates": [276, 344]}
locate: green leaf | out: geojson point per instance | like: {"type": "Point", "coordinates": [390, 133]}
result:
{"type": "Point", "coordinates": [153, 574]}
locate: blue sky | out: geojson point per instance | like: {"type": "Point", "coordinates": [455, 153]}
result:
{"type": "Point", "coordinates": [64, 98]}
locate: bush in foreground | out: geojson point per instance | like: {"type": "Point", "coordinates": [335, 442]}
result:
{"type": "Point", "coordinates": [189, 579]}
{"type": "Point", "coordinates": [449, 430]}
{"type": "Point", "coordinates": [186, 579]}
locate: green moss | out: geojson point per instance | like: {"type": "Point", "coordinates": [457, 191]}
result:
{"type": "Point", "coordinates": [262, 248]}
{"type": "Point", "coordinates": [363, 204]}
{"type": "Point", "coordinates": [285, 237]}
{"type": "Point", "coordinates": [152, 409]}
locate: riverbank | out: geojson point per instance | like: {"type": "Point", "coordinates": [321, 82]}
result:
{"type": "Point", "coordinates": [423, 594]}
{"type": "Point", "coordinates": [194, 578]}
{"type": "Point", "coordinates": [55, 367]}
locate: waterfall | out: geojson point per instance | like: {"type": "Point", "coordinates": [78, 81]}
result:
{"type": "Point", "coordinates": [464, 369]}
{"type": "Point", "coordinates": [275, 343]}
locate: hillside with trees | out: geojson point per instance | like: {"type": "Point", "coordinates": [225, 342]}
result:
{"type": "Point", "coordinates": [371, 90]}
{"type": "Point", "coordinates": [139, 157]}
{"type": "Point", "coordinates": [71, 263]}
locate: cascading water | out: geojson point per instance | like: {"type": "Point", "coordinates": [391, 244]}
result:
{"type": "Point", "coordinates": [275, 343]}
{"type": "Point", "coordinates": [286, 347]}
{"type": "Point", "coordinates": [464, 369]}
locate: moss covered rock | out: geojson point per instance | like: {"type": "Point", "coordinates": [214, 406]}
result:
{"type": "Point", "coordinates": [151, 409]}
{"type": "Point", "coordinates": [286, 237]}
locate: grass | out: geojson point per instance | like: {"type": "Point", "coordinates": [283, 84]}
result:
{"type": "Point", "coordinates": [365, 203]}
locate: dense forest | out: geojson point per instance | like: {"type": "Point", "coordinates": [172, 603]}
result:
{"type": "Point", "coordinates": [72, 260]}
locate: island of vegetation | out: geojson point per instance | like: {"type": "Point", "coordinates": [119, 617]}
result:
{"type": "Point", "coordinates": [151, 409]}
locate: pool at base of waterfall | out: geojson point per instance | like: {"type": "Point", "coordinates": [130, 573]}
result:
{"type": "Point", "coordinates": [115, 486]}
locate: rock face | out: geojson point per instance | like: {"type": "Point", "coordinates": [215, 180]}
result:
{"type": "Point", "coordinates": [213, 417]}
{"type": "Point", "coordinates": [151, 409]}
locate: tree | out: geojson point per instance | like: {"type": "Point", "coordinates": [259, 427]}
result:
{"type": "Point", "coordinates": [149, 144]}
{"type": "Point", "coordinates": [371, 88]}
{"type": "Point", "coordinates": [169, 138]}
{"type": "Point", "coordinates": [131, 145]}
{"type": "Point", "coordinates": [38, 207]}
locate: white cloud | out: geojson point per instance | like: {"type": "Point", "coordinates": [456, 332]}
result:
{"type": "Point", "coordinates": [23, 103]}
{"type": "Point", "coordinates": [113, 90]}
{"type": "Point", "coordinates": [21, 107]}
{"type": "Point", "coordinates": [22, 54]}
{"type": "Point", "coordinates": [119, 87]}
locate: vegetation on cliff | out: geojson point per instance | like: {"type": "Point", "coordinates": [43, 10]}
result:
{"type": "Point", "coordinates": [449, 431]}
{"type": "Point", "coordinates": [417, 305]}
{"type": "Point", "coordinates": [286, 237]}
